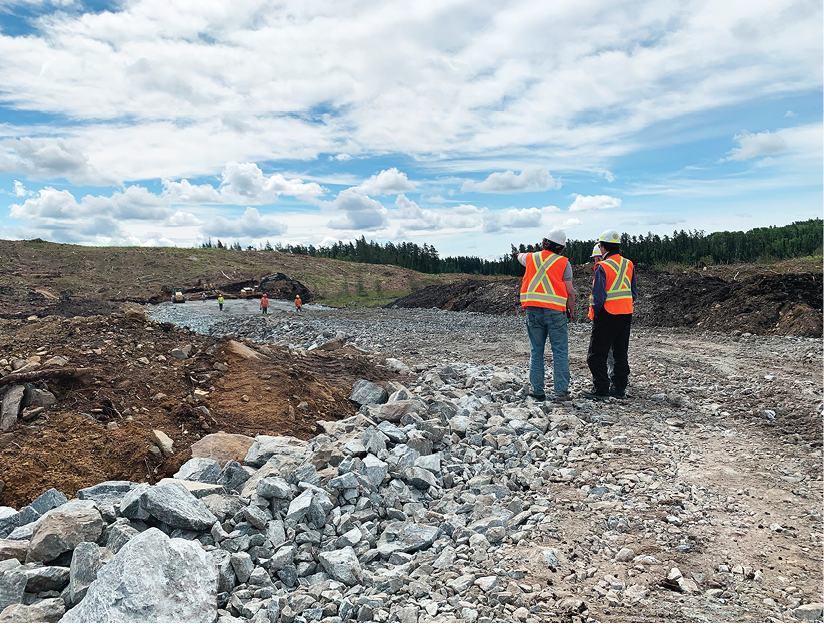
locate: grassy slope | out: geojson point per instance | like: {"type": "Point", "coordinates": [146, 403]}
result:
{"type": "Point", "coordinates": [140, 272]}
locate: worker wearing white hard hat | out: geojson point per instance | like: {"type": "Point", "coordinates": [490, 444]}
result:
{"type": "Point", "coordinates": [548, 297]}
{"type": "Point", "coordinates": [596, 253]}
{"type": "Point", "coordinates": [611, 305]}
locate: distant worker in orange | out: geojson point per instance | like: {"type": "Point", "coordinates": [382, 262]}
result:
{"type": "Point", "coordinates": [264, 304]}
{"type": "Point", "coordinates": [298, 303]}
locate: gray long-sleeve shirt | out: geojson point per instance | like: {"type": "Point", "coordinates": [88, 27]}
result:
{"type": "Point", "coordinates": [599, 287]}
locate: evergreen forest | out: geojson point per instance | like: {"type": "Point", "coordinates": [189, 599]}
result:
{"type": "Point", "coordinates": [802, 238]}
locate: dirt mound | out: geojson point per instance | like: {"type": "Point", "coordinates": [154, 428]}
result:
{"type": "Point", "coordinates": [101, 429]}
{"type": "Point", "coordinates": [498, 297]}
{"type": "Point", "coordinates": [762, 303]}
{"type": "Point", "coordinates": [781, 304]}
{"type": "Point", "coordinates": [22, 303]}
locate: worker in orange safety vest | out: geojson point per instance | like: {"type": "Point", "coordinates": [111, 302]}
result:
{"type": "Point", "coordinates": [264, 304]}
{"type": "Point", "coordinates": [613, 292]}
{"type": "Point", "coordinates": [548, 297]}
{"type": "Point", "coordinates": [298, 303]}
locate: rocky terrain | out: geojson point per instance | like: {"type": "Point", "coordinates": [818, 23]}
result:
{"type": "Point", "coordinates": [387, 465]}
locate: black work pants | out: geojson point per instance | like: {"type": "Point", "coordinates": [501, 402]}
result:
{"type": "Point", "coordinates": [609, 330]}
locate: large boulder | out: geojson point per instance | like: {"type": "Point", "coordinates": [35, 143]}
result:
{"type": "Point", "coordinates": [223, 447]}
{"type": "Point", "coordinates": [152, 579]}
{"type": "Point", "coordinates": [342, 565]}
{"type": "Point", "coordinates": [199, 469]}
{"type": "Point", "coordinates": [266, 447]}
{"type": "Point", "coordinates": [173, 504]}
{"type": "Point", "coordinates": [12, 583]}
{"type": "Point", "coordinates": [61, 530]}
{"type": "Point", "coordinates": [367, 393]}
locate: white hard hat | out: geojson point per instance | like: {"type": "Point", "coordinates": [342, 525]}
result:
{"type": "Point", "coordinates": [557, 235]}
{"type": "Point", "coordinates": [610, 236]}
{"type": "Point", "coordinates": [596, 251]}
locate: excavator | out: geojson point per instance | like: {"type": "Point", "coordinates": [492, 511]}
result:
{"type": "Point", "coordinates": [256, 291]}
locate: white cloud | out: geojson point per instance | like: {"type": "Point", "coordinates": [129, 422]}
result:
{"type": "Point", "coordinates": [790, 113]}
{"type": "Point", "coordinates": [341, 157]}
{"type": "Point", "coordinates": [251, 224]}
{"type": "Point", "coordinates": [514, 218]}
{"type": "Point", "coordinates": [184, 192]}
{"type": "Point", "coordinates": [246, 183]}
{"type": "Point", "coordinates": [419, 219]}
{"type": "Point", "coordinates": [182, 219]}
{"type": "Point", "coordinates": [531, 179]}
{"type": "Point", "coordinates": [20, 190]}
{"type": "Point", "coordinates": [134, 203]}
{"type": "Point", "coordinates": [572, 222]}
{"type": "Point", "coordinates": [46, 158]}
{"type": "Point", "coordinates": [386, 182]}
{"type": "Point", "coordinates": [361, 212]}
{"type": "Point", "coordinates": [753, 145]}
{"type": "Point", "coordinates": [584, 203]}
{"type": "Point", "coordinates": [665, 221]}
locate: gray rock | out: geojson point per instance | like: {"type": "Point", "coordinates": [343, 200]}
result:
{"type": "Point", "coordinates": [37, 397]}
{"type": "Point", "coordinates": [152, 579]}
{"type": "Point", "coordinates": [233, 477]}
{"type": "Point", "coordinates": [13, 549]}
{"type": "Point", "coordinates": [420, 478]}
{"type": "Point", "coordinates": [346, 481]}
{"type": "Point", "coordinates": [273, 487]}
{"type": "Point", "coordinates": [406, 537]}
{"type": "Point", "coordinates": [462, 583]}
{"type": "Point", "coordinates": [393, 433]}
{"type": "Point", "coordinates": [199, 469]}
{"type": "Point", "coordinates": [176, 506]}
{"type": "Point", "coordinates": [9, 520]}
{"type": "Point", "coordinates": [106, 492]}
{"type": "Point", "coordinates": [61, 530]}
{"type": "Point", "coordinates": [130, 503]}
{"type": "Point", "coordinates": [299, 507]}
{"type": "Point", "coordinates": [242, 565]}
{"type": "Point", "coordinates": [83, 570]}
{"type": "Point", "coordinates": [275, 532]}
{"type": "Point", "coordinates": [367, 393]}
{"type": "Point", "coordinates": [10, 407]}
{"type": "Point", "coordinates": [12, 586]}
{"type": "Point", "coordinates": [118, 534]}
{"type": "Point", "coordinates": [226, 572]}
{"type": "Point", "coordinates": [342, 565]}
{"type": "Point", "coordinates": [374, 441]}
{"type": "Point", "coordinates": [395, 411]}
{"type": "Point", "coordinates": [46, 578]}
{"type": "Point", "coordinates": [550, 558]}
{"type": "Point", "coordinates": [432, 463]}
{"type": "Point", "coordinates": [282, 558]}
{"type": "Point", "coordinates": [374, 469]}
{"type": "Point", "coordinates": [809, 612]}
{"type": "Point", "coordinates": [44, 611]}
{"type": "Point", "coordinates": [624, 555]}
{"type": "Point", "coordinates": [48, 500]}
{"type": "Point", "coordinates": [256, 516]}
{"type": "Point", "coordinates": [265, 448]}
{"type": "Point", "coordinates": [181, 353]}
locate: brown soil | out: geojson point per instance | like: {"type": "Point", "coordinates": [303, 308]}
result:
{"type": "Point", "coordinates": [70, 446]}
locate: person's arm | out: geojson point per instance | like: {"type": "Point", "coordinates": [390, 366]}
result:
{"type": "Point", "coordinates": [570, 304]}
{"type": "Point", "coordinates": [599, 290]}
{"type": "Point", "coordinates": [522, 258]}
{"type": "Point", "coordinates": [633, 286]}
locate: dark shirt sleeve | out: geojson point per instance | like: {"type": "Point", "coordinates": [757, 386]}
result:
{"type": "Point", "coordinates": [599, 290]}
{"type": "Point", "coordinates": [634, 287]}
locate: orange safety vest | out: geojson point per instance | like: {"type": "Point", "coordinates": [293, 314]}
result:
{"type": "Point", "coordinates": [297, 302]}
{"type": "Point", "coordinates": [619, 284]}
{"type": "Point", "coordinates": [264, 303]}
{"type": "Point", "coordinates": [543, 284]}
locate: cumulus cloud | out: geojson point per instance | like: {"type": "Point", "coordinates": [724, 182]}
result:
{"type": "Point", "coordinates": [360, 212]}
{"type": "Point", "coordinates": [341, 157]}
{"type": "Point", "coordinates": [246, 183]}
{"type": "Point", "coordinates": [572, 222]}
{"type": "Point", "coordinates": [386, 182]}
{"type": "Point", "coordinates": [134, 203]}
{"type": "Point", "coordinates": [417, 218]}
{"type": "Point", "coordinates": [754, 145]}
{"type": "Point", "coordinates": [531, 179]}
{"type": "Point", "coordinates": [19, 189]}
{"type": "Point", "coordinates": [48, 158]}
{"type": "Point", "coordinates": [251, 224]}
{"type": "Point", "coordinates": [790, 113]}
{"type": "Point", "coordinates": [583, 203]}
{"type": "Point", "coordinates": [514, 218]}
{"type": "Point", "coordinates": [184, 192]}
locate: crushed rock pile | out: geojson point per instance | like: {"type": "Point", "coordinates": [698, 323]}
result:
{"type": "Point", "coordinates": [441, 500]}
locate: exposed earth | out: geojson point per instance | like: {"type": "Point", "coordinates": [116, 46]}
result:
{"type": "Point", "coordinates": [725, 413]}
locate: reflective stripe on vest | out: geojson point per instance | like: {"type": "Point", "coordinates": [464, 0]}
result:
{"type": "Point", "coordinates": [619, 286]}
{"type": "Point", "coordinates": [530, 295]}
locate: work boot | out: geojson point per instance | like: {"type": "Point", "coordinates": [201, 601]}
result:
{"type": "Point", "coordinates": [537, 397]}
{"type": "Point", "coordinates": [595, 396]}
{"type": "Point", "coordinates": [560, 398]}
{"type": "Point", "coordinates": [618, 393]}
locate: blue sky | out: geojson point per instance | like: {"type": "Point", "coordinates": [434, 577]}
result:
{"type": "Point", "coordinates": [468, 125]}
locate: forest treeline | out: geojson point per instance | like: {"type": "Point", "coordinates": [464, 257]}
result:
{"type": "Point", "coordinates": [802, 238]}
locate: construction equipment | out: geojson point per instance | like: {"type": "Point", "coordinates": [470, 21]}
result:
{"type": "Point", "coordinates": [177, 295]}
{"type": "Point", "coordinates": [257, 291]}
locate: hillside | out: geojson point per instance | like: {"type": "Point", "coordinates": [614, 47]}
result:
{"type": "Point", "coordinates": [37, 273]}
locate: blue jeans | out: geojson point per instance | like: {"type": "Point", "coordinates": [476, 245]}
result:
{"type": "Point", "coordinates": [540, 324]}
